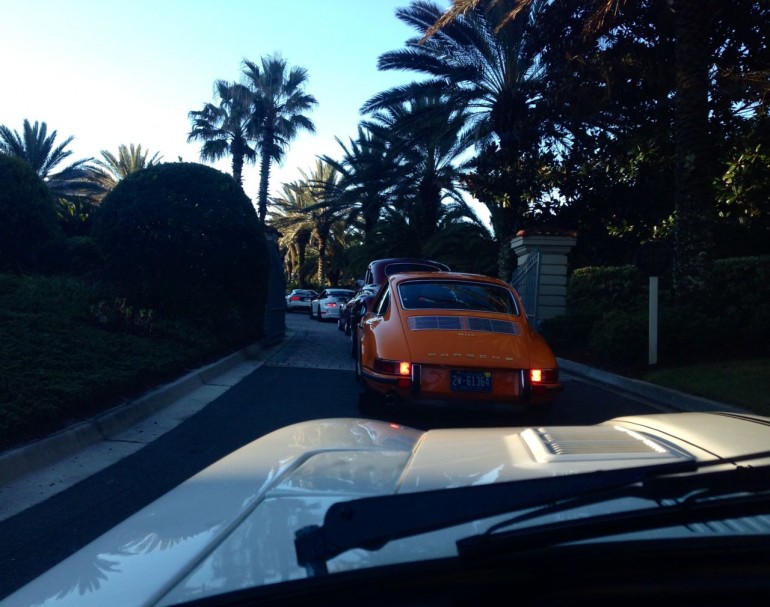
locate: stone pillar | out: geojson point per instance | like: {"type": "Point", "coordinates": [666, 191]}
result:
{"type": "Point", "coordinates": [553, 245]}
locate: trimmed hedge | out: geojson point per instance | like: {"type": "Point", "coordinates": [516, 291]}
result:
{"type": "Point", "coordinates": [67, 353]}
{"type": "Point", "coordinates": [29, 232]}
{"type": "Point", "coordinates": [607, 318]}
{"type": "Point", "coordinates": [183, 240]}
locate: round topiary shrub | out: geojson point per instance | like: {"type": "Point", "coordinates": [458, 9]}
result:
{"type": "Point", "coordinates": [29, 231]}
{"type": "Point", "coordinates": [184, 240]}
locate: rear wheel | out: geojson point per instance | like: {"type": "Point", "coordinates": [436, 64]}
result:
{"type": "Point", "coordinates": [353, 344]}
{"type": "Point", "coordinates": [370, 401]}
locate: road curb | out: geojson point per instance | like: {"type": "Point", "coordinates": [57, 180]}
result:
{"type": "Point", "coordinates": [673, 399]}
{"type": "Point", "coordinates": [34, 456]}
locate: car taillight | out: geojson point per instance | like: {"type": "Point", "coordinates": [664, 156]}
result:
{"type": "Point", "coordinates": [393, 367]}
{"type": "Point", "coordinates": [330, 304]}
{"type": "Point", "coordinates": [544, 376]}
{"type": "Point", "coordinates": [294, 298]}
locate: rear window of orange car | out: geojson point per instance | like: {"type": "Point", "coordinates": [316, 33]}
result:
{"type": "Point", "coordinates": [457, 295]}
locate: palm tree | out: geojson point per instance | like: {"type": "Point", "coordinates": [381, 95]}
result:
{"type": "Point", "coordinates": [474, 65]}
{"type": "Point", "coordinates": [223, 128]}
{"type": "Point", "coordinates": [278, 104]}
{"type": "Point", "coordinates": [491, 74]}
{"type": "Point", "coordinates": [308, 207]}
{"type": "Point", "coordinates": [369, 174]}
{"type": "Point", "coordinates": [290, 218]}
{"type": "Point", "coordinates": [39, 149]}
{"type": "Point", "coordinates": [323, 182]}
{"type": "Point", "coordinates": [111, 169]}
{"type": "Point", "coordinates": [427, 134]}
{"type": "Point", "coordinates": [694, 199]}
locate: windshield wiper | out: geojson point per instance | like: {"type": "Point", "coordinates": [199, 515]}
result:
{"type": "Point", "coordinates": [684, 512]}
{"type": "Point", "coordinates": [372, 522]}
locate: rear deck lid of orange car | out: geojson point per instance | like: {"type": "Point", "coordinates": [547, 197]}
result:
{"type": "Point", "coordinates": [466, 339]}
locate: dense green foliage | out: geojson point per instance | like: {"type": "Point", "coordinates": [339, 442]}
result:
{"type": "Point", "coordinates": [29, 233]}
{"type": "Point", "coordinates": [184, 240]}
{"type": "Point", "coordinates": [174, 275]}
{"type": "Point", "coordinates": [69, 351]}
{"type": "Point", "coordinates": [607, 316]}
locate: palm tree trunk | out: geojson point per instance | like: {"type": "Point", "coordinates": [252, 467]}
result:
{"type": "Point", "coordinates": [694, 195]}
{"type": "Point", "coordinates": [322, 261]}
{"type": "Point", "coordinates": [264, 180]}
{"type": "Point", "coordinates": [237, 152]}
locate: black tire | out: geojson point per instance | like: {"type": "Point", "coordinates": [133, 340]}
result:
{"type": "Point", "coordinates": [370, 402]}
{"type": "Point", "coordinates": [353, 344]}
{"type": "Point", "coordinates": [358, 369]}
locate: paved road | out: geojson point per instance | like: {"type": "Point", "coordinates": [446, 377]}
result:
{"type": "Point", "coordinates": [46, 515]}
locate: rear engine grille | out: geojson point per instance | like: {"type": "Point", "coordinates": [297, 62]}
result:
{"type": "Point", "coordinates": [463, 323]}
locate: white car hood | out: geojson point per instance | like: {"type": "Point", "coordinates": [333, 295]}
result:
{"type": "Point", "coordinates": [233, 525]}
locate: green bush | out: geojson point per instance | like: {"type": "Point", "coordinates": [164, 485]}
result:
{"type": "Point", "coordinates": [568, 332]}
{"type": "Point", "coordinates": [184, 240]}
{"type": "Point", "coordinates": [29, 232]}
{"type": "Point", "coordinates": [740, 298]}
{"type": "Point", "coordinates": [594, 291]}
{"type": "Point", "coordinates": [61, 363]}
{"type": "Point", "coordinates": [620, 338]}
{"type": "Point", "coordinates": [688, 333]}
{"type": "Point", "coordinates": [82, 255]}
{"type": "Point", "coordinates": [607, 316]}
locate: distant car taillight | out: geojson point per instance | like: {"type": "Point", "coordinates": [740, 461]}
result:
{"type": "Point", "coordinates": [294, 298]}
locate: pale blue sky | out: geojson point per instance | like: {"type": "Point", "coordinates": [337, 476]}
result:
{"type": "Point", "coordinates": [112, 73]}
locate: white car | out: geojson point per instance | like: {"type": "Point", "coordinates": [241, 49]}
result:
{"type": "Point", "coordinates": [299, 299]}
{"type": "Point", "coordinates": [670, 508]}
{"type": "Point", "coordinates": [328, 304]}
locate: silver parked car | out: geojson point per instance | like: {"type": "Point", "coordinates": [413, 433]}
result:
{"type": "Point", "coordinates": [671, 508]}
{"type": "Point", "coordinates": [329, 303]}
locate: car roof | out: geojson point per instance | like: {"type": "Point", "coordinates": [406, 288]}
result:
{"type": "Point", "coordinates": [435, 276]}
{"type": "Point", "coordinates": [379, 269]}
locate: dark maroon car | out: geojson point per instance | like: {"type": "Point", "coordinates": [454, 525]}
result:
{"type": "Point", "coordinates": [376, 273]}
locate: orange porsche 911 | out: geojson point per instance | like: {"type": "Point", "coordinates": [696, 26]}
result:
{"type": "Point", "coordinates": [449, 336]}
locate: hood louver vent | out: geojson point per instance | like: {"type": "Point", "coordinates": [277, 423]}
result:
{"type": "Point", "coordinates": [554, 444]}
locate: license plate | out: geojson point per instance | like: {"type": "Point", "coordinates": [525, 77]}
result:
{"type": "Point", "coordinates": [471, 381]}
